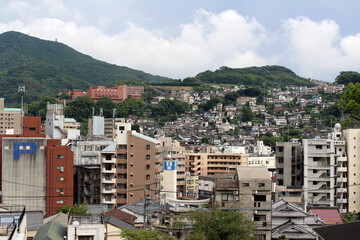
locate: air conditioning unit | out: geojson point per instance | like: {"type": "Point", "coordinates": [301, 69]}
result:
{"type": "Point", "coordinates": [62, 193]}
{"type": "Point", "coordinates": [255, 211]}
{"type": "Point", "coordinates": [61, 170]}
{"type": "Point", "coordinates": [255, 191]}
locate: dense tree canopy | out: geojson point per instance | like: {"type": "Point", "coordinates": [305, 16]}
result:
{"type": "Point", "coordinates": [216, 224]}
{"type": "Point", "coordinates": [347, 77]}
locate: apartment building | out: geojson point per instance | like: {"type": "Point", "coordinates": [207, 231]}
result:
{"type": "Point", "coordinates": [10, 119]}
{"type": "Point", "coordinates": [208, 164]}
{"type": "Point", "coordinates": [325, 171]}
{"type": "Point", "coordinates": [289, 172]}
{"type": "Point", "coordinates": [173, 148]}
{"type": "Point", "coordinates": [130, 167]}
{"type": "Point", "coordinates": [33, 165]}
{"type": "Point", "coordinates": [249, 191]}
{"type": "Point", "coordinates": [352, 137]}
{"type": "Point", "coordinates": [87, 163]}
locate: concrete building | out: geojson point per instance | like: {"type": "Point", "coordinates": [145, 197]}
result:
{"type": "Point", "coordinates": [55, 121]}
{"type": "Point", "coordinates": [289, 172]}
{"type": "Point", "coordinates": [87, 163]}
{"type": "Point", "coordinates": [132, 163]}
{"type": "Point", "coordinates": [191, 185]}
{"type": "Point", "coordinates": [10, 119]}
{"type": "Point", "coordinates": [249, 191]}
{"type": "Point", "coordinates": [33, 165]}
{"type": "Point", "coordinates": [208, 164]}
{"type": "Point", "coordinates": [352, 137]}
{"type": "Point", "coordinates": [325, 171]}
{"type": "Point", "coordinates": [173, 148]}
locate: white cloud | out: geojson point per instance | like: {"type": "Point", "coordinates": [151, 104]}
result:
{"type": "Point", "coordinates": [318, 50]}
{"type": "Point", "coordinates": [210, 41]}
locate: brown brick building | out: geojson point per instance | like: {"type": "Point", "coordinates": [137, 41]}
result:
{"type": "Point", "coordinates": [128, 166]}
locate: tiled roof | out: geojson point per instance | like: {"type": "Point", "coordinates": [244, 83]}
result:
{"type": "Point", "coordinates": [118, 223]}
{"type": "Point", "coordinates": [349, 230]}
{"type": "Point", "coordinates": [124, 216]}
{"type": "Point", "coordinates": [330, 216]}
{"type": "Point", "coordinates": [52, 230]}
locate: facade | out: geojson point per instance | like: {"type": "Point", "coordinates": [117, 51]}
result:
{"type": "Point", "coordinates": [87, 163]}
{"type": "Point", "coordinates": [10, 119]}
{"type": "Point", "coordinates": [289, 171]}
{"type": "Point", "coordinates": [209, 164]}
{"type": "Point", "coordinates": [325, 171]}
{"type": "Point", "coordinates": [116, 93]}
{"type": "Point", "coordinates": [352, 137]}
{"type": "Point", "coordinates": [249, 191]}
{"type": "Point", "coordinates": [191, 185]}
{"type": "Point", "coordinates": [173, 148]}
{"type": "Point", "coordinates": [206, 187]}
{"type": "Point", "coordinates": [130, 167]}
{"type": "Point", "coordinates": [32, 165]}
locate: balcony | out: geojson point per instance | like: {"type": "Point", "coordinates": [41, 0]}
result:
{"type": "Point", "coordinates": [111, 181]}
{"type": "Point", "coordinates": [113, 170]}
{"type": "Point", "coordinates": [341, 200]}
{"type": "Point", "coordinates": [108, 191]}
{"type": "Point", "coordinates": [112, 201]}
{"type": "Point", "coordinates": [112, 160]}
{"type": "Point", "coordinates": [341, 170]}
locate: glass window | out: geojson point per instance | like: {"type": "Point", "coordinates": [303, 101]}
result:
{"type": "Point", "coordinates": [224, 197]}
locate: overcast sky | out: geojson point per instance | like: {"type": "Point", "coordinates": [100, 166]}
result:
{"type": "Point", "coordinates": [314, 38]}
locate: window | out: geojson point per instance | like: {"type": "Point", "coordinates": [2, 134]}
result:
{"type": "Point", "coordinates": [121, 185]}
{"type": "Point", "coordinates": [122, 146]}
{"type": "Point", "coordinates": [32, 129]}
{"type": "Point", "coordinates": [107, 197]}
{"type": "Point", "coordinates": [281, 171]}
{"type": "Point", "coordinates": [121, 196]}
{"type": "Point", "coordinates": [121, 166]}
{"type": "Point", "coordinates": [121, 176]}
{"type": "Point", "coordinates": [147, 176]}
{"type": "Point", "coordinates": [147, 147]}
{"type": "Point", "coordinates": [60, 179]}
{"type": "Point", "coordinates": [108, 167]}
{"type": "Point", "coordinates": [260, 198]}
{"type": "Point", "coordinates": [147, 166]}
{"type": "Point", "coordinates": [122, 156]}
{"type": "Point", "coordinates": [60, 156]}
{"type": "Point", "coordinates": [59, 201]}
{"type": "Point", "coordinates": [280, 160]}
{"type": "Point", "coordinates": [121, 128]}
{"type": "Point", "coordinates": [108, 157]}
{"type": "Point", "coordinates": [261, 184]}
{"type": "Point", "coordinates": [108, 187]}
{"type": "Point", "coordinates": [147, 156]}
{"type": "Point", "coordinates": [224, 197]}
{"type": "Point", "coordinates": [246, 184]}
{"type": "Point", "coordinates": [258, 218]}
{"type": "Point", "coordinates": [318, 146]}
{"type": "Point", "coordinates": [108, 177]}
{"type": "Point", "coordinates": [61, 168]}
{"type": "Point", "coordinates": [60, 190]}
{"type": "Point", "coordinates": [280, 149]}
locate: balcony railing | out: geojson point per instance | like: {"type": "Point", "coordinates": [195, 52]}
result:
{"type": "Point", "coordinates": [112, 160]}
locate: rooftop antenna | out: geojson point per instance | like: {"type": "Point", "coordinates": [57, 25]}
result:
{"type": "Point", "coordinates": [21, 91]}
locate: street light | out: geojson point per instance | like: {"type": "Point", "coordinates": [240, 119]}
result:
{"type": "Point", "coordinates": [75, 224]}
{"type": "Point", "coordinates": [21, 91]}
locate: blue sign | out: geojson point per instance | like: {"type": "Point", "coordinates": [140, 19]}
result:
{"type": "Point", "coordinates": [27, 147]}
{"type": "Point", "coordinates": [170, 165]}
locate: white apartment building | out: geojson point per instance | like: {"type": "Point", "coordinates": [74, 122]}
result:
{"type": "Point", "coordinates": [325, 171]}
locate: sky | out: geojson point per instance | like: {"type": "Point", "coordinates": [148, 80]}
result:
{"type": "Point", "coordinates": [179, 39]}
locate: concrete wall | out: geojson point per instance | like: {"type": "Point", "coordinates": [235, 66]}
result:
{"type": "Point", "coordinates": [24, 179]}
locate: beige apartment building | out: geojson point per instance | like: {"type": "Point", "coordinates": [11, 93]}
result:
{"type": "Point", "coordinates": [208, 164]}
{"type": "Point", "coordinates": [10, 119]}
{"type": "Point", "coordinates": [130, 168]}
{"type": "Point", "coordinates": [352, 138]}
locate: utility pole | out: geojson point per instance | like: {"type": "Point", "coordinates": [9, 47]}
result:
{"type": "Point", "coordinates": [21, 91]}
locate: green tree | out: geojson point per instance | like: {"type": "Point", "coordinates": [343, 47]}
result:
{"type": "Point", "coordinates": [271, 141]}
{"type": "Point", "coordinates": [282, 237]}
{"type": "Point", "coordinates": [350, 217]}
{"type": "Point", "coordinates": [80, 108]}
{"type": "Point", "coordinates": [247, 114]}
{"type": "Point", "coordinates": [215, 224]}
{"type": "Point", "coordinates": [129, 234]}
{"type": "Point", "coordinates": [107, 104]}
{"type": "Point", "coordinates": [350, 102]}
{"type": "Point", "coordinates": [347, 77]}
{"type": "Point", "coordinates": [65, 96]}
{"type": "Point", "coordinates": [75, 209]}
{"type": "Point", "coordinates": [38, 108]}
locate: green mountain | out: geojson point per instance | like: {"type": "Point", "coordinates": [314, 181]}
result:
{"type": "Point", "coordinates": [45, 67]}
{"type": "Point", "coordinates": [272, 76]}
